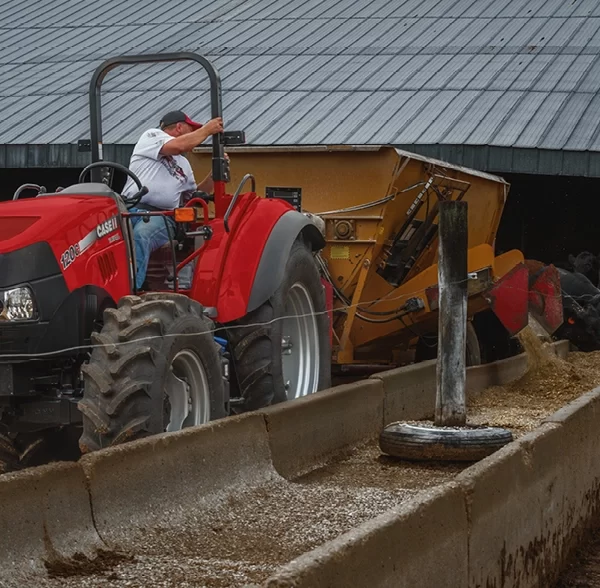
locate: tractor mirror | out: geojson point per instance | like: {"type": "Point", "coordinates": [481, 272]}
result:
{"type": "Point", "coordinates": [234, 137]}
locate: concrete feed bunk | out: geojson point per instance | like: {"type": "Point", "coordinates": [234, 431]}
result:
{"type": "Point", "coordinates": [289, 496]}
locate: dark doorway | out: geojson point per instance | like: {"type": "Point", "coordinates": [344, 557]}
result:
{"type": "Point", "coordinates": [548, 217]}
{"type": "Point", "coordinates": [50, 178]}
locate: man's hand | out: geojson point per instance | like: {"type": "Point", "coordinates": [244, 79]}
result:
{"type": "Point", "coordinates": [214, 126]}
{"type": "Point", "coordinates": [185, 143]}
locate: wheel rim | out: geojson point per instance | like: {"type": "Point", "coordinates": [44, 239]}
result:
{"type": "Point", "coordinates": [300, 344]}
{"type": "Point", "coordinates": [187, 392]}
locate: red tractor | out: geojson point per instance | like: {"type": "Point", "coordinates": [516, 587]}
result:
{"type": "Point", "coordinates": [82, 351]}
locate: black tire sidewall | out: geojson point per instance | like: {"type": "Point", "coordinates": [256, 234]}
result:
{"type": "Point", "coordinates": [300, 268]}
{"type": "Point", "coordinates": [187, 332]}
{"type": "Point", "coordinates": [410, 442]}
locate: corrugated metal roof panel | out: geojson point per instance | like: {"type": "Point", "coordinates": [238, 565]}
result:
{"type": "Point", "coordinates": [379, 120]}
{"type": "Point", "coordinates": [304, 72]}
{"type": "Point", "coordinates": [399, 114]}
{"type": "Point", "coordinates": [576, 9]}
{"type": "Point", "coordinates": [401, 78]}
{"type": "Point", "coordinates": [586, 127]}
{"type": "Point", "coordinates": [405, 9]}
{"type": "Point", "coordinates": [520, 31]}
{"type": "Point", "coordinates": [482, 106]}
{"type": "Point", "coordinates": [560, 129]}
{"type": "Point", "coordinates": [344, 112]}
{"type": "Point", "coordinates": [455, 66]}
{"type": "Point", "coordinates": [309, 103]}
{"type": "Point", "coordinates": [360, 117]}
{"type": "Point", "coordinates": [545, 114]}
{"type": "Point", "coordinates": [285, 101]}
{"type": "Point", "coordinates": [327, 108]}
{"type": "Point", "coordinates": [478, 8]}
{"type": "Point", "coordinates": [426, 117]}
{"type": "Point", "coordinates": [377, 9]}
{"type": "Point", "coordinates": [493, 120]}
{"type": "Point", "coordinates": [453, 111]}
{"type": "Point", "coordinates": [585, 75]}
{"type": "Point", "coordinates": [317, 79]}
{"type": "Point", "coordinates": [449, 72]}
{"type": "Point", "coordinates": [554, 72]}
{"type": "Point", "coordinates": [489, 73]}
{"type": "Point", "coordinates": [518, 119]}
{"type": "Point", "coordinates": [367, 77]}
{"type": "Point", "coordinates": [465, 75]}
{"type": "Point", "coordinates": [532, 72]}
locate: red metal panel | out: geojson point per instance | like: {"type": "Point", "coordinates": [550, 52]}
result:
{"type": "Point", "coordinates": [545, 299]}
{"type": "Point", "coordinates": [508, 298]}
{"type": "Point", "coordinates": [79, 229]}
{"type": "Point", "coordinates": [227, 267]}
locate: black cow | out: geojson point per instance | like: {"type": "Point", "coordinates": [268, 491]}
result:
{"type": "Point", "coordinates": [585, 263]}
{"type": "Point", "coordinates": [581, 310]}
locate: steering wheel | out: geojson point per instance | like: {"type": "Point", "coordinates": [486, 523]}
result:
{"type": "Point", "coordinates": [129, 202]}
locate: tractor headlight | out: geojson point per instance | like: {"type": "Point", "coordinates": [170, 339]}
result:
{"type": "Point", "coordinates": [17, 305]}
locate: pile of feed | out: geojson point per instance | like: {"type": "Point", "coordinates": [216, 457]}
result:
{"type": "Point", "coordinates": [548, 384]}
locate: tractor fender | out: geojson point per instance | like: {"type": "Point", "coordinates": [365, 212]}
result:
{"type": "Point", "coordinates": [275, 254]}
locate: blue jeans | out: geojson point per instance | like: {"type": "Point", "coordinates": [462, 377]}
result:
{"type": "Point", "coordinates": [148, 237]}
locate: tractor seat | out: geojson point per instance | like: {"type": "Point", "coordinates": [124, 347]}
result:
{"type": "Point", "coordinates": [160, 267]}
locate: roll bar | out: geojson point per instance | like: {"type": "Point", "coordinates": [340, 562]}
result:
{"type": "Point", "coordinates": [218, 142]}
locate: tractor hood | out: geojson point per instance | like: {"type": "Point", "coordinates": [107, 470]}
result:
{"type": "Point", "coordinates": [45, 236]}
{"type": "Point", "coordinates": [26, 221]}
{"type": "Point", "coordinates": [52, 219]}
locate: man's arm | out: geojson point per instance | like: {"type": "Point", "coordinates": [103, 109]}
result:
{"type": "Point", "coordinates": [207, 185]}
{"type": "Point", "coordinates": [185, 143]}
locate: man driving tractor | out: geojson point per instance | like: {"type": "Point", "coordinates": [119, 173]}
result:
{"type": "Point", "coordinates": [159, 163]}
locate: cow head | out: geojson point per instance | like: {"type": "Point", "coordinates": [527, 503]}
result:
{"type": "Point", "coordinates": [586, 263]}
{"type": "Point", "coordinates": [581, 325]}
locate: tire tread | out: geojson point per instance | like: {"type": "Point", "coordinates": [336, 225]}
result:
{"type": "Point", "coordinates": [117, 405]}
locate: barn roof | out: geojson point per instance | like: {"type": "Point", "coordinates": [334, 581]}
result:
{"type": "Point", "coordinates": [503, 85]}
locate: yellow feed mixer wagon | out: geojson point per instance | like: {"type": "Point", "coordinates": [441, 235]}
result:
{"type": "Point", "coordinates": [378, 207]}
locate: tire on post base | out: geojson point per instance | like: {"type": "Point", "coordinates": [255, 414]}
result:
{"type": "Point", "coordinates": [282, 350]}
{"type": "Point", "coordinates": [155, 367]}
{"type": "Point", "coordinates": [431, 443]}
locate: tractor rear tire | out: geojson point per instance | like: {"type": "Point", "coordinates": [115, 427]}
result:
{"type": "Point", "coordinates": [282, 350]}
{"type": "Point", "coordinates": [9, 456]}
{"type": "Point", "coordinates": [155, 367]}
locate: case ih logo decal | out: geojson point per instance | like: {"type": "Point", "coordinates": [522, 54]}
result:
{"type": "Point", "coordinates": [107, 227]}
{"type": "Point", "coordinates": [103, 229]}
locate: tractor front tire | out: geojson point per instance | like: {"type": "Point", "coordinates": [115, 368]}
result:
{"type": "Point", "coordinates": [282, 350]}
{"type": "Point", "coordinates": [154, 367]}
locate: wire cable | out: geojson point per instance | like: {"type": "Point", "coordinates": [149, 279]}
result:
{"type": "Point", "coordinates": [225, 328]}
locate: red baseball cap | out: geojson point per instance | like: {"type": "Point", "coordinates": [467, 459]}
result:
{"type": "Point", "coordinates": [176, 116]}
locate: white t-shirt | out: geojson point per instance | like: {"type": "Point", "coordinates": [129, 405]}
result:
{"type": "Point", "coordinates": [167, 177]}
